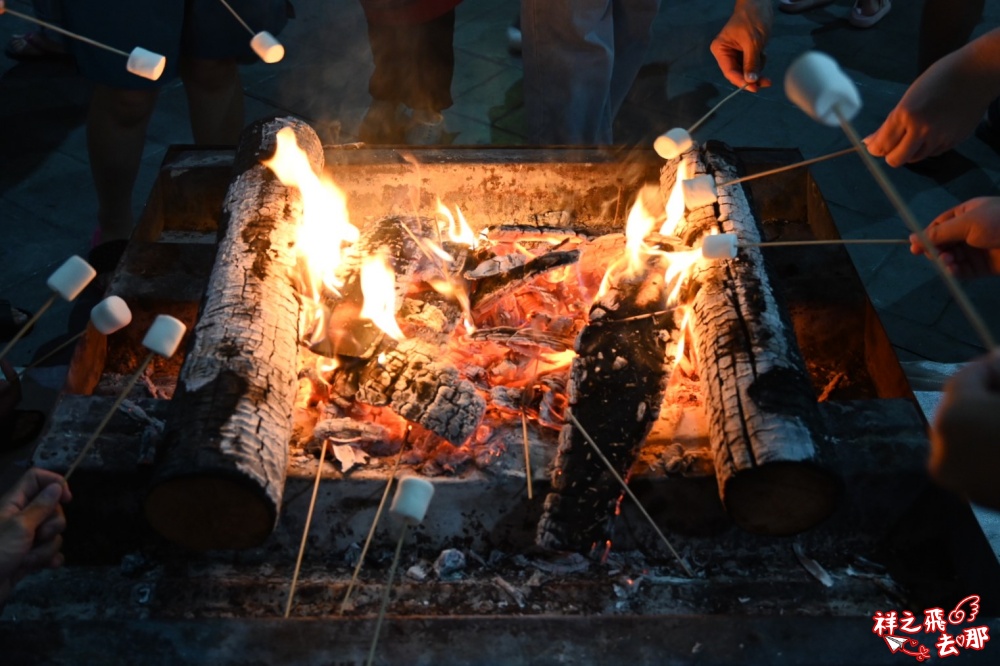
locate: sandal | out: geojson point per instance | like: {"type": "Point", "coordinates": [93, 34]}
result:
{"type": "Point", "coordinates": [799, 6]}
{"type": "Point", "coordinates": [861, 20]}
{"type": "Point", "coordinates": [11, 320]}
{"type": "Point", "coordinates": [35, 47]}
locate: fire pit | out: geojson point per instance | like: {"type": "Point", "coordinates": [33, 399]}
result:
{"type": "Point", "coordinates": [790, 439]}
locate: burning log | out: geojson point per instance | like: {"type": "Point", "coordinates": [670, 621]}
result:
{"type": "Point", "coordinates": [616, 387]}
{"type": "Point", "coordinates": [221, 471]}
{"type": "Point", "coordinates": [763, 417]}
{"type": "Point", "coordinates": [414, 384]}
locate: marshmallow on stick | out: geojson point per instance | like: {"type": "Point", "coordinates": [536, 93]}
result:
{"type": "Point", "coordinates": [109, 316]}
{"type": "Point", "coordinates": [264, 44]}
{"type": "Point", "coordinates": [67, 281]}
{"type": "Point", "coordinates": [818, 86]}
{"type": "Point", "coordinates": [413, 496]}
{"type": "Point", "coordinates": [141, 62]}
{"type": "Point", "coordinates": [162, 338]}
{"type": "Point", "coordinates": [672, 143]}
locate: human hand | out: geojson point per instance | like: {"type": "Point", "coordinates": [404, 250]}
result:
{"type": "Point", "coordinates": [31, 526]}
{"type": "Point", "coordinates": [965, 440]}
{"type": "Point", "coordinates": [939, 110]}
{"type": "Point", "coordinates": [739, 46]}
{"type": "Point", "coordinates": [967, 237]}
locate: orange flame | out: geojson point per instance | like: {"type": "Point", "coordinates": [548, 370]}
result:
{"type": "Point", "coordinates": [378, 286]}
{"type": "Point", "coordinates": [459, 230]}
{"type": "Point", "coordinates": [325, 228]}
{"type": "Point", "coordinates": [637, 227]}
{"type": "Point", "coordinates": [675, 203]}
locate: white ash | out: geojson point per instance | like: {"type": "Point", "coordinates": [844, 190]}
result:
{"type": "Point", "coordinates": [496, 266]}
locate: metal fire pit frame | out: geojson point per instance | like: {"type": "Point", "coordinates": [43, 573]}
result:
{"type": "Point", "coordinates": [877, 424]}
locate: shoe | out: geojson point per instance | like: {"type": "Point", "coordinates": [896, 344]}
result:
{"type": "Point", "coordinates": [383, 123]}
{"type": "Point", "coordinates": [36, 47]}
{"type": "Point", "coordinates": [799, 6]}
{"type": "Point", "coordinates": [11, 320]}
{"type": "Point", "coordinates": [426, 129]}
{"type": "Point", "coordinates": [860, 20]}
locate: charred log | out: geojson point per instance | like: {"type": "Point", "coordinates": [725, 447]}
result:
{"type": "Point", "coordinates": [491, 288]}
{"type": "Point", "coordinates": [221, 470]}
{"type": "Point", "coordinates": [615, 389]}
{"type": "Point", "coordinates": [763, 417]}
{"type": "Point", "coordinates": [413, 383]}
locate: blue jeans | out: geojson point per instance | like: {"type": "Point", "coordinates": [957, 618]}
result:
{"type": "Point", "coordinates": [580, 60]}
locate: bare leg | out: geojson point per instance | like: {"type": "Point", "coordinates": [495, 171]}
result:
{"type": "Point", "coordinates": [215, 100]}
{"type": "Point", "coordinates": [116, 135]}
{"type": "Point", "coordinates": [945, 25]}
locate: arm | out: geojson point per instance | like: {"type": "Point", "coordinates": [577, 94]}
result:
{"type": "Point", "coordinates": [965, 440]}
{"type": "Point", "coordinates": [967, 236]}
{"type": "Point", "coordinates": [739, 46]}
{"type": "Point", "coordinates": [31, 524]}
{"type": "Point", "coordinates": [943, 106]}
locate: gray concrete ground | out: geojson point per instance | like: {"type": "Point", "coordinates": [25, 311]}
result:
{"type": "Point", "coordinates": [47, 203]}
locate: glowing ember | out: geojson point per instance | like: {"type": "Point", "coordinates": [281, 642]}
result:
{"type": "Point", "coordinates": [378, 285]}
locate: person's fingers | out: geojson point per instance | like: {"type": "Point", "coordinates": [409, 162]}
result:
{"type": "Point", "coordinates": [41, 555]}
{"type": "Point", "coordinates": [886, 137]}
{"type": "Point", "coordinates": [902, 153]}
{"type": "Point", "coordinates": [729, 61]}
{"type": "Point", "coordinates": [949, 230]}
{"type": "Point", "coordinates": [751, 62]}
{"type": "Point", "coordinates": [42, 506]}
{"type": "Point", "coordinates": [53, 525]}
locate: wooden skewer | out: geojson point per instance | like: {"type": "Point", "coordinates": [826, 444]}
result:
{"type": "Point", "coordinates": [28, 324]}
{"type": "Point", "coordinates": [305, 531]}
{"type": "Point", "coordinates": [244, 23]}
{"type": "Point", "coordinates": [698, 123]}
{"type": "Point", "coordinates": [830, 241]}
{"type": "Point", "coordinates": [63, 31]}
{"type": "Point", "coordinates": [50, 354]}
{"type": "Point", "coordinates": [790, 167]}
{"type": "Point", "coordinates": [371, 532]}
{"type": "Point", "coordinates": [385, 595]}
{"type": "Point", "coordinates": [628, 491]}
{"type": "Point", "coordinates": [911, 221]}
{"type": "Point", "coordinates": [527, 453]}
{"type": "Point", "coordinates": [111, 412]}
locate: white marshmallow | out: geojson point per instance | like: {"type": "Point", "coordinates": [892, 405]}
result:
{"type": "Point", "coordinates": [69, 279]}
{"type": "Point", "coordinates": [146, 64]}
{"type": "Point", "coordinates": [413, 495]}
{"type": "Point", "coordinates": [672, 143]}
{"type": "Point", "coordinates": [164, 335]}
{"type": "Point", "coordinates": [699, 191]}
{"type": "Point", "coordinates": [110, 315]}
{"type": "Point", "coordinates": [719, 246]}
{"type": "Point", "coordinates": [267, 47]}
{"type": "Point", "coordinates": [818, 86]}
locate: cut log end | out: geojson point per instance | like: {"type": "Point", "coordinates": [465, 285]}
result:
{"type": "Point", "coordinates": [781, 498]}
{"type": "Point", "coordinates": [204, 512]}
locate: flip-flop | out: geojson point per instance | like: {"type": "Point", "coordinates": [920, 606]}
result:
{"type": "Point", "coordinates": [22, 428]}
{"type": "Point", "coordinates": [799, 6]}
{"type": "Point", "coordinates": [11, 320]}
{"type": "Point", "coordinates": [859, 20]}
{"type": "Point", "coordinates": [35, 47]}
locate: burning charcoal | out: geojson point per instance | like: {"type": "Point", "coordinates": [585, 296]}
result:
{"type": "Point", "coordinates": [488, 290]}
{"type": "Point", "coordinates": [348, 431]}
{"type": "Point", "coordinates": [616, 386]}
{"type": "Point", "coordinates": [764, 424]}
{"type": "Point", "coordinates": [496, 266]}
{"type": "Point", "coordinates": [506, 398]}
{"type": "Point", "coordinates": [535, 233]}
{"type": "Point", "coordinates": [450, 564]}
{"type": "Point", "coordinates": [426, 391]}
